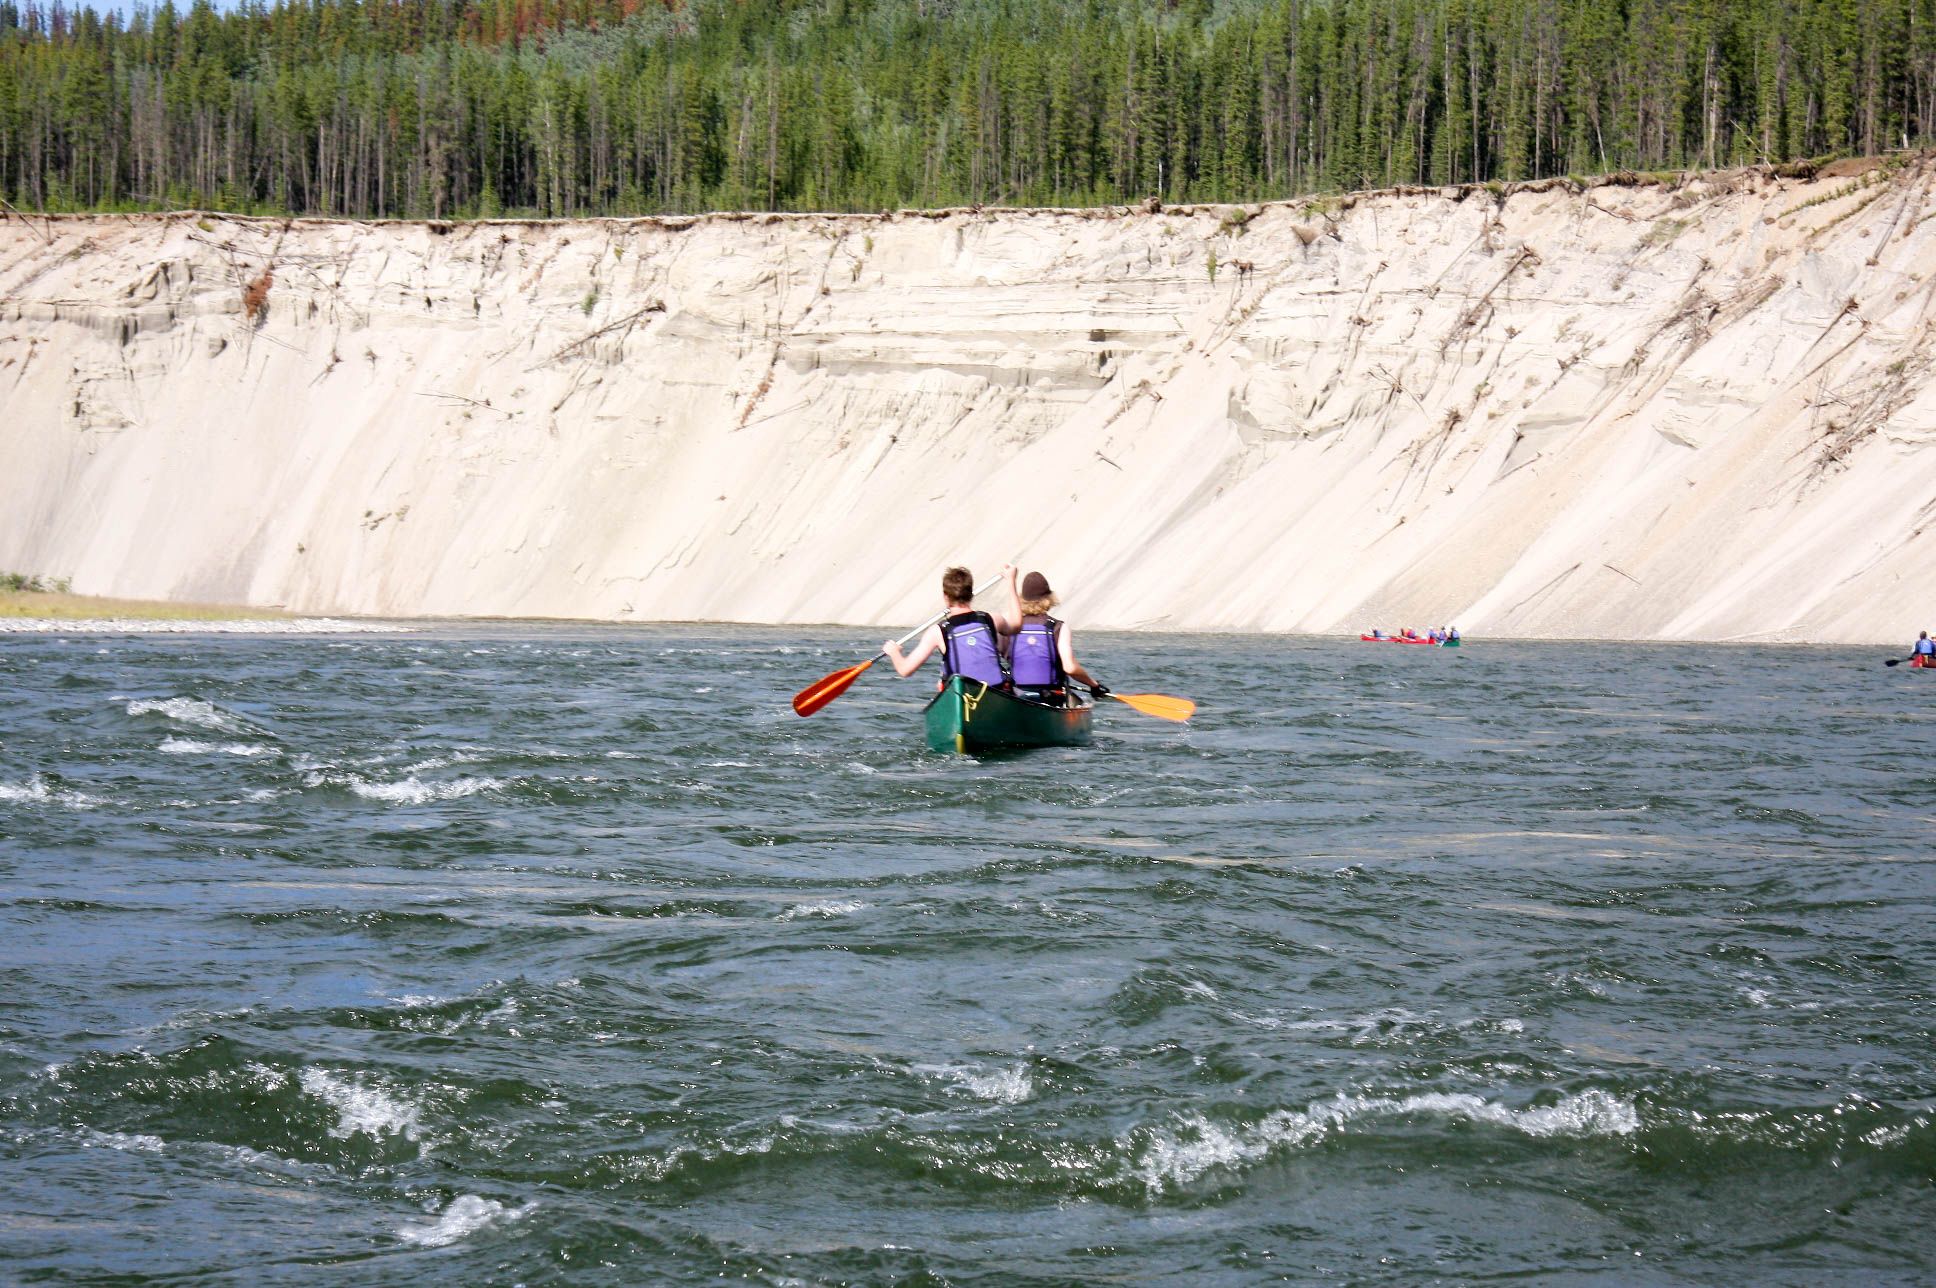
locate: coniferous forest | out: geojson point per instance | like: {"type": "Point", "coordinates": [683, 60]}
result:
{"type": "Point", "coordinates": [456, 108]}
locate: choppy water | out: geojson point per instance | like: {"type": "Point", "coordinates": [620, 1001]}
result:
{"type": "Point", "coordinates": [571, 955]}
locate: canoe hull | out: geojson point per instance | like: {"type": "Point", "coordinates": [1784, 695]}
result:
{"type": "Point", "coordinates": [967, 716]}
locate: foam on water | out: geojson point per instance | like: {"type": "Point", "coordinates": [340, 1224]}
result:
{"type": "Point", "coordinates": [414, 791]}
{"type": "Point", "coordinates": [824, 908]}
{"type": "Point", "coordinates": [449, 758]}
{"type": "Point", "coordinates": [1009, 1086]}
{"type": "Point", "coordinates": [130, 1142]}
{"type": "Point", "coordinates": [237, 1155]}
{"type": "Point", "coordinates": [174, 746]}
{"type": "Point", "coordinates": [35, 791]}
{"type": "Point", "coordinates": [244, 1156]}
{"type": "Point", "coordinates": [1182, 1153]}
{"type": "Point", "coordinates": [361, 1107]}
{"type": "Point", "coordinates": [465, 1215]}
{"type": "Point", "coordinates": [192, 711]}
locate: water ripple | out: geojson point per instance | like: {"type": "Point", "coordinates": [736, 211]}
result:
{"type": "Point", "coordinates": [560, 954]}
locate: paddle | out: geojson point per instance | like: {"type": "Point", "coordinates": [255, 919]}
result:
{"type": "Point", "coordinates": [1160, 705]}
{"type": "Point", "coordinates": [1897, 661]}
{"type": "Point", "coordinates": [825, 690]}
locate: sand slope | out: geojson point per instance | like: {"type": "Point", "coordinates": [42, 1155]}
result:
{"type": "Point", "coordinates": [1698, 410]}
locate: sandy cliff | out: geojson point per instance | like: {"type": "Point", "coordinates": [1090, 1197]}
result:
{"type": "Point", "coordinates": [1696, 410]}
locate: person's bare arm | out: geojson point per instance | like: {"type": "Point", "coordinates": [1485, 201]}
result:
{"type": "Point", "coordinates": [1011, 622]}
{"type": "Point", "coordinates": [906, 664]}
{"type": "Point", "coordinates": [1065, 645]}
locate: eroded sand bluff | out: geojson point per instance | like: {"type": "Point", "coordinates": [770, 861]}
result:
{"type": "Point", "coordinates": [1699, 409]}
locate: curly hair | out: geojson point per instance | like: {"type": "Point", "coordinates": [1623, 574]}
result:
{"type": "Point", "coordinates": [1039, 607]}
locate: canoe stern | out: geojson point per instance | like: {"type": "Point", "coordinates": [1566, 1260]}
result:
{"type": "Point", "coordinates": [967, 716]}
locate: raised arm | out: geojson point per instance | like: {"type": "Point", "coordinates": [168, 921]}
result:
{"type": "Point", "coordinates": [1011, 622]}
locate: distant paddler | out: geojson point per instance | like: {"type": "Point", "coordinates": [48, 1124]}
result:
{"type": "Point", "coordinates": [1922, 655]}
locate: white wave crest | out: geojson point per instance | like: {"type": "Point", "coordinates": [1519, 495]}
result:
{"type": "Point", "coordinates": [359, 1108]}
{"type": "Point", "coordinates": [825, 908]}
{"type": "Point", "coordinates": [192, 711]}
{"type": "Point", "coordinates": [458, 756]}
{"type": "Point", "coordinates": [1194, 1146]}
{"type": "Point", "coordinates": [35, 791]}
{"type": "Point", "coordinates": [130, 1142]}
{"type": "Point", "coordinates": [414, 791]}
{"type": "Point", "coordinates": [466, 1215]}
{"type": "Point", "coordinates": [174, 746]}
{"type": "Point", "coordinates": [1010, 1086]}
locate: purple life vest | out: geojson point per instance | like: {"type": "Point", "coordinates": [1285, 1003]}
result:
{"type": "Point", "coordinates": [969, 649]}
{"type": "Point", "coordinates": [1035, 654]}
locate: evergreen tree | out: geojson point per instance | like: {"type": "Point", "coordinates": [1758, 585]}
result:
{"type": "Point", "coordinates": [559, 107]}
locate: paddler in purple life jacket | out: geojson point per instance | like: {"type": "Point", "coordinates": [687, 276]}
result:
{"type": "Point", "coordinates": [1042, 652]}
{"type": "Point", "coordinates": [1923, 652]}
{"type": "Point", "coordinates": [968, 639]}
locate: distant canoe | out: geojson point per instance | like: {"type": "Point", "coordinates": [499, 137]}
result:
{"type": "Point", "coordinates": [1399, 639]}
{"type": "Point", "coordinates": [967, 715]}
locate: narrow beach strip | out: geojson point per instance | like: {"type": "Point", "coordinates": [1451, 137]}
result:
{"type": "Point", "coordinates": [27, 612]}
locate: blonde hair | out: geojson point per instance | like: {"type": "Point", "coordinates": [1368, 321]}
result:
{"type": "Point", "coordinates": [1039, 607]}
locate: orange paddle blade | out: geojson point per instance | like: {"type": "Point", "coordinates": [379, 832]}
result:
{"type": "Point", "coordinates": [1160, 705]}
{"type": "Point", "coordinates": [822, 691]}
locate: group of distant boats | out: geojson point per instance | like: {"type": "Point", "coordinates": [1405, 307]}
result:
{"type": "Point", "coordinates": [1440, 637]}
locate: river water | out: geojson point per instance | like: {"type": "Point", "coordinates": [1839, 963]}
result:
{"type": "Point", "coordinates": [571, 955]}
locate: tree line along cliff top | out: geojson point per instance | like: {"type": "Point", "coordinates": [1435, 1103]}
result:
{"type": "Point", "coordinates": [479, 108]}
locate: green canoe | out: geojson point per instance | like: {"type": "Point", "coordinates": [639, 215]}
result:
{"type": "Point", "coordinates": [967, 715]}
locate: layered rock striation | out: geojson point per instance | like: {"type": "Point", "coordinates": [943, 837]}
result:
{"type": "Point", "coordinates": [1698, 408]}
